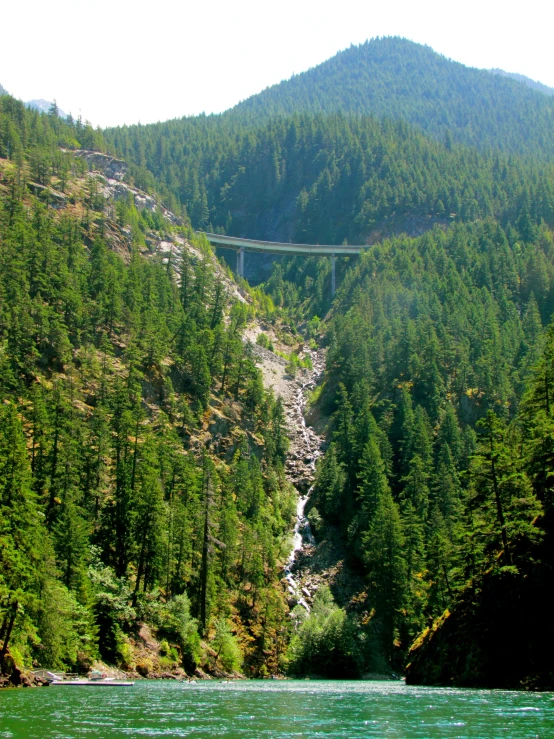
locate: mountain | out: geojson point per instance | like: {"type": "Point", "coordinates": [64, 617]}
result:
{"type": "Point", "coordinates": [327, 177]}
{"type": "Point", "coordinates": [397, 78]}
{"type": "Point", "coordinates": [44, 106]}
{"type": "Point", "coordinates": [438, 473]}
{"type": "Point", "coordinates": [438, 470]}
{"type": "Point", "coordinates": [149, 459]}
{"type": "Point", "coordinates": [533, 84]}
{"type": "Point", "coordinates": [384, 138]}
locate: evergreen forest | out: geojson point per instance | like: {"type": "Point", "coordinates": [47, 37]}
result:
{"type": "Point", "coordinates": [143, 461]}
{"type": "Point", "coordinates": [119, 507]}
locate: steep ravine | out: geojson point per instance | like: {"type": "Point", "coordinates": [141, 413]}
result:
{"type": "Point", "coordinates": [321, 556]}
{"type": "Point", "coordinates": [305, 447]}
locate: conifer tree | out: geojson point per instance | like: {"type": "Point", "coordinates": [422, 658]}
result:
{"type": "Point", "coordinates": [384, 555]}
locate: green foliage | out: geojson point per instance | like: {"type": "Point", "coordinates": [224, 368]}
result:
{"type": "Point", "coordinates": [502, 549]}
{"type": "Point", "coordinates": [392, 77]}
{"type": "Point", "coordinates": [112, 610]}
{"type": "Point", "coordinates": [439, 469]}
{"type": "Point", "coordinates": [324, 643]}
{"type": "Point", "coordinates": [384, 555]}
{"type": "Point", "coordinates": [329, 485]}
{"type": "Point", "coordinates": [67, 630]}
{"type": "Point", "coordinates": [108, 368]}
{"type": "Point", "coordinates": [264, 341]}
{"type": "Point", "coordinates": [115, 370]}
{"type": "Point", "coordinates": [338, 178]}
{"type": "Point", "coordinates": [385, 138]}
{"type": "Point", "coordinates": [227, 650]}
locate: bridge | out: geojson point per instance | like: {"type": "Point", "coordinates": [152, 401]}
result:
{"type": "Point", "coordinates": [274, 247]}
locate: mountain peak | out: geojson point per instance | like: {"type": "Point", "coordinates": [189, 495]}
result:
{"type": "Point", "coordinates": [392, 77]}
{"type": "Point", "coordinates": [44, 106]}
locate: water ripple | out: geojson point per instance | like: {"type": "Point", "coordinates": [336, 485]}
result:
{"type": "Point", "coordinates": [275, 710]}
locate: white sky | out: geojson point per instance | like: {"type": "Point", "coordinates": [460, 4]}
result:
{"type": "Point", "coordinates": [121, 61]}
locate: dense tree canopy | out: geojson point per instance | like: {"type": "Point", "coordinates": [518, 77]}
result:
{"type": "Point", "coordinates": [124, 499]}
{"type": "Point", "coordinates": [141, 461]}
{"type": "Point", "coordinates": [439, 465]}
{"type": "Point", "coordinates": [327, 179]}
{"type": "Point", "coordinates": [399, 79]}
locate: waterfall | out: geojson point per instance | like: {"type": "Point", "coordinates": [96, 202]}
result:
{"type": "Point", "coordinates": [302, 535]}
{"type": "Point", "coordinates": [309, 443]}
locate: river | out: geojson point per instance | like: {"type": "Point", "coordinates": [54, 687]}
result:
{"type": "Point", "coordinates": [274, 709]}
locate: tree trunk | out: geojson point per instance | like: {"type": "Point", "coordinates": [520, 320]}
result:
{"type": "Point", "coordinates": [204, 566]}
{"type": "Point", "coordinates": [11, 622]}
{"type": "Point", "coordinates": [499, 510]}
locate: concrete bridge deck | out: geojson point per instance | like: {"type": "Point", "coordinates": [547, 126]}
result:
{"type": "Point", "coordinates": [276, 247]}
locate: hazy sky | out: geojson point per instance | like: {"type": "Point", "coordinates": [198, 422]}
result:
{"type": "Point", "coordinates": [117, 61]}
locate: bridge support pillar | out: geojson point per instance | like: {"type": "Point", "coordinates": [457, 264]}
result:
{"type": "Point", "coordinates": [333, 276]}
{"type": "Point", "coordinates": [240, 262]}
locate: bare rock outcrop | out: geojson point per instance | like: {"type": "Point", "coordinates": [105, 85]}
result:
{"type": "Point", "coordinates": [112, 167]}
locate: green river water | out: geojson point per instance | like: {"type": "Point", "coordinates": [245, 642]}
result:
{"type": "Point", "coordinates": [274, 710]}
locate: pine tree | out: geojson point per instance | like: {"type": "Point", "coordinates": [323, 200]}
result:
{"type": "Point", "coordinates": [330, 480]}
{"type": "Point", "coordinates": [439, 563]}
{"type": "Point", "coordinates": [538, 424]}
{"type": "Point", "coordinates": [373, 480]}
{"type": "Point", "coordinates": [502, 492]}
{"type": "Point", "coordinates": [416, 489]}
{"type": "Point", "coordinates": [415, 564]}
{"type": "Point", "coordinates": [149, 515]}
{"type": "Point", "coordinates": [25, 542]}
{"type": "Point", "coordinates": [384, 556]}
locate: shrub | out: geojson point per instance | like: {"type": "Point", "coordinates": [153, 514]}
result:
{"type": "Point", "coordinates": [324, 643]}
{"type": "Point", "coordinates": [65, 628]}
{"type": "Point", "coordinates": [126, 656]}
{"type": "Point", "coordinates": [315, 520]}
{"type": "Point", "coordinates": [264, 340]}
{"type": "Point", "coordinates": [313, 327]}
{"type": "Point", "coordinates": [112, 611]}
{"type": "Point", "coordinates": [227, 649]}
{"type": "Point", "coordinates": [175, 621]}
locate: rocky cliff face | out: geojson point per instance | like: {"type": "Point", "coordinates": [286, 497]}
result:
{"type": "Point", "coordinates": [108, 165]}
{"type": "Point", "coordinates": [112, 172]}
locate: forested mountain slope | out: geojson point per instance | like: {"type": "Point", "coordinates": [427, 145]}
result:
{"type": "Point", "coordinates": [397, 78]}
{"type": "Point", "coordinates": [384, 138]}
{"type": "Point", "coordinates": [437, 392]}
{"type": "Point", "coordinates": [435, 478]}
{"type": "Point", "coordinates": [323, 179]}
{"type": "Point", "coordinates": [437, 472]}
{"type": "Point", "coordinates": [533, 84]}
{"type": "Point", "coordinates": [142, 492]}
